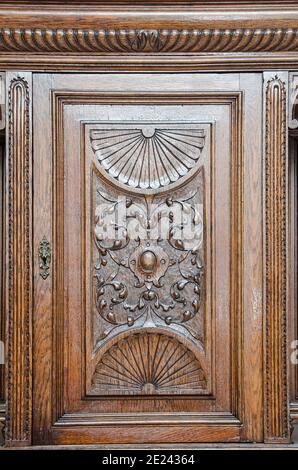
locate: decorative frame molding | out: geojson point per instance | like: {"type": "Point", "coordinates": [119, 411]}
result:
{"type": "Point", "coordinates": [276, 189]}
{"type": "Point", "coordinates": [19, 262]}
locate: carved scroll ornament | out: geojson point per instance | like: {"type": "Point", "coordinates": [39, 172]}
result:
{"type": "Point", "coordinates": [150, 270]}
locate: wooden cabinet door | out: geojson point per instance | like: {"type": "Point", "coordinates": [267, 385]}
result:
{"type": "Point", "coordinates": [148, 258]}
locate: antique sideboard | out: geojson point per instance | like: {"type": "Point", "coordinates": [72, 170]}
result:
{"type": "Point", "coordinates": [149, 208]}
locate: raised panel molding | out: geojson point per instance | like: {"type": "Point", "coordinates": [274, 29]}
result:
{"type": "Point", "coordinates": [276, 377]}
{"type": "Point", "coordinates": [19, 275]}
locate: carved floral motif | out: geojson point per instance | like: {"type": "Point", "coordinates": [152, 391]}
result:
{"type": "Point", "coordinates": [140, 276]}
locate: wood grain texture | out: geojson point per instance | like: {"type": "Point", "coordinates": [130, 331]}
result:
{"type": "Point", "coordinates": [276, 377]}
{"type": "Point", "coordinates": [98, 102]}
{"type": "Point", "coordinates": [2, 256]}
{"type": "Point", "coordinates": [252, 256]}
{"type": "Point", "coordinates": [43, 312]}
{"type": "Point", "coordinates": [19, 282]}
{"type": "Point", "coordinates": [293, 317]}
{"type": "Point", "coordinates": [151, 434]}
{"type": "Point", "coordinates": [73, 107]}
{"type": "Point", "coordinates": [168, 36]}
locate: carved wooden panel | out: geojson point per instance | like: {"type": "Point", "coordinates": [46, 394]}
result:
{"type": "Point", "coordinates": [148, 243]}
{"type": "Point", "coordinates": [150, 156]}
{"type": "Point", "coordinates": [207, 318]}
{"type": "Point", "coordinates": [143, 326]}
{"type": "Point", "coordinates": [277, 413]}
{"type": "Point", "coordinates": [149, 363]}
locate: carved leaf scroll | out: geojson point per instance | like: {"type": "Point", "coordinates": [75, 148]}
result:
{"type": "Point", "coordinates": [148, 271]}
{"type": "Point", "coordinates": [141, 272]}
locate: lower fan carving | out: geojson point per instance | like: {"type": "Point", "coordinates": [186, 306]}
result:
{"type": "Point", "coordinates": [147, 364]}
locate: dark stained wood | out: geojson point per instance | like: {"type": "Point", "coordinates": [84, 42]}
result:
{"type": "Point", "coordinates": [116, 358]}
{"type": "Point", "coordinates": [2, 238]}
{"type": "Point", "coordinates": [2, 319]}
{"type": "Point", "coordinates": [150, 434]}
{"type": "Point", "coordinates": [293, 326]}
{"type": "Point", "coordinates": [72, 362]}
{"type": "Point", "coordinates": [2, 286]}
{"type": "Point", "coordinates": [253, 249]}
{"type": "Point", "coordinates": [2, 256]}
{"type": "Point", "coordinates": [293, 220]}
{"type": "Point", "coordinates": [276, 192]}
{"type": "Point", "coordinates": [38, 36]}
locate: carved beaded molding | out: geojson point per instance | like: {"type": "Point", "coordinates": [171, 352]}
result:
{"type": "Point", "coordinates": [148, 40]}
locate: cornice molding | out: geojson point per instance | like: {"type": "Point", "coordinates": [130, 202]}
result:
{"type": "Point", "coordinates": [151, 41]}
{"type": "Point", "coordinates": [188, 36]}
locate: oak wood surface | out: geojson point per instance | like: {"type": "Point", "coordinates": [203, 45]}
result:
{"type": "Point", "coordinates": [2, 318]}
{"type": "Point", "coordinates": [293, 274]}
{"type": "Point", "coordinates": [247, 296]}
{"type": "Point", "coordinates": [276, 258]}
{"type": "Point", "coordinates": [74, 102]}
{"type": "Point", "coordinates": [18, 298]}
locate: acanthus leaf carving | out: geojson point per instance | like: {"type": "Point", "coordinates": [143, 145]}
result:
{"type": "Point", "coordinates": [141, 274]}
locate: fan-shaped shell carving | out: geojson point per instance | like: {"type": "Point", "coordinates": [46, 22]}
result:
{"type": "Point", "coordinates": [149, 363]}
{"type": "Point", "coordinates": [148, 157]}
